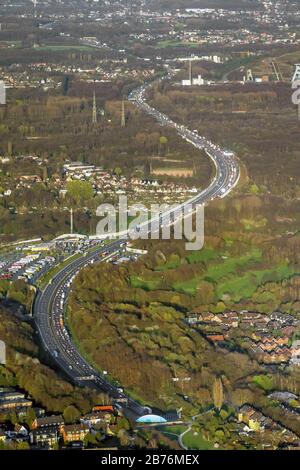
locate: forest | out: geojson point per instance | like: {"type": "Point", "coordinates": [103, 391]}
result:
{"type": "Point", "coordinates": [132, 318]}
{"type": "Point", "coordinates": [26, 369]}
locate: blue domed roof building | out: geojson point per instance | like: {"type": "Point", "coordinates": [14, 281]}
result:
{"type": "Point", "coordinates": [151, 419]}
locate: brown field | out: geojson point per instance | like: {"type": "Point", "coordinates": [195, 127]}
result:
{"type": "Point", "coordinates": [180, 172]}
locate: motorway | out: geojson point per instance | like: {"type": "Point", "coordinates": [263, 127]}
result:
{"type": "Point", "coordinates": [50, 304]}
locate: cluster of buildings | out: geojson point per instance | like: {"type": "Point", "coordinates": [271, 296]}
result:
{"type": "Point", "coordinates": [269, 338]}
{"type": "Point", "coordinates": [15, 76]}
{"type": "Point", "coordinates": [275, 434]}
{"type": "Point", "coordinates": [105, 183]}
{"type": "Point", "coordinates": [275, 350]}
{"type": "Point", "coordinates": [50, 431]}
{"type": "Point", "coordinates": [48, 75]}
{"type": "Point", "coordinates": [215, 58]}
{"type": "Point", "coordinates": [112, 185]}
{"type": "Point", "coordinates": [193, 81]}
{"type": "Point", "coordinates": [24, 171]}
{"type": "Point", "coordinates": [267, 13]}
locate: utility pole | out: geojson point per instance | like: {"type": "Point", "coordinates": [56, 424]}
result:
{"type": "Point", "coordinates": [190, 72]}
{"type": "Point", "coordinates": [71, 221]}
{"type": "Point", "coordinates": [277, 73]}
{"type": "Point", "coordinates": [249, 76]}
{"type": "Point", "coordinates": [123, 120]}
{"type": "Point", "coordinates": [94, 116]}
{"type": "Point", "coordinates": [34, 8]}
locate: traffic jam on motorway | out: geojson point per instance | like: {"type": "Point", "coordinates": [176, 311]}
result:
{"type": "Point", "coordinates": [227, 168]}
{"type": "Point", "coordinates": [50, 305]}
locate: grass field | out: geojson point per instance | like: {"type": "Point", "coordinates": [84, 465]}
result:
{"type": "Point", "coordinates": [172, 264]}
{"type": "Point", "coordinates": [196, 442]}
{"type": "Point", "coordinates": [237, 277]}
{"type": "Point", "coordinates": [66, 47]}
{"type": "Point", "coordinates": [172, 432]}
{"type": "Point", "coordinates": [243, 287]}
{"type": "Point", "coordinates": [216, 272]}
{"type": "Point", "coordinates": [13, 43]}
{"type": "Point", "coordinates": [202, 256]}
{"type": "Point", "coordinates": [148, 285]}
{"type": "Point", "coordinates": [174, 43]}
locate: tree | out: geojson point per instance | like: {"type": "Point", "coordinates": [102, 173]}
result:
{"type": "Point", "coordinates": [163, 142]}
{"type": "Point", "coordinates": [104, 399]}
{"type": "Point", "coordinates": [10, 148]}
{"type": "Point", "coordinates": [122, 424]}
{"type": "Point", "coordinates": [71, 414]}
{"type": "Point", "coordinates": [218, 393]}
{"type": "Point", "coordinates": [124, 438]}
{"type": "Point", "coordinates": [30, 417]}
{"type": "Point", "coordinates": [118, 171]}
{"type": "Point", "coordinates": [80, 190]}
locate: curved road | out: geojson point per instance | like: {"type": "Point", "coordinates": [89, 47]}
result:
{"type": "Point", "coordinates": [49, 306]}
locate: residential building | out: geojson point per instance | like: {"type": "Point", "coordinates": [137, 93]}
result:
{"type": "Point", "coordinates": [75, 432]}
{"type": "Point", "coordinates": [91, 419]}
{"type": "Point", "coordinates": [10, 400]}
{"type": "Point", "coordinates": [47, 421]}
{"type": "Point", "coordinates": [44, 436]}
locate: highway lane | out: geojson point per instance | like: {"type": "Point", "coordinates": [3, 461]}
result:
{"type": "Point", "coordinates": [49, 309]}
{"type": "Point", "coordinates": [50, 305]}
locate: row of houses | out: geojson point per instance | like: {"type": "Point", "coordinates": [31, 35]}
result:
{"type": "Point", "coordinates": [271, 349]}
{"type": "Point", "coordinates": [255, 421]}
{"type": "Point", "coordinates": [244, 318]}
{"type": "Point", "coordinates": [269, 338]}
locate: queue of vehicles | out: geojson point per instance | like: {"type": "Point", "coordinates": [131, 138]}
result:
{"type": "Point", "coordinates": [50, 304]}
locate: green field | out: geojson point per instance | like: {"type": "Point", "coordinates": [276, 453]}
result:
{"type": "Point", "coordinates": [139, 283]}
{"type": "Point", "coordinates": [233, 276]}
{"type": "Point", "coordinates": [174, 43]}
{"type": "Point", "coordinates": [216, 272]}
{"type": "Point", "coordinates": [196, 442]}
{"type": "Point", "coordinates": [244, 286]}
{"type": "Point", "coordinates": [202, 256]}
{"type": "Point", "coordinates": [13, 43]}
{"type": "Point", "coordinates": [172, 432]}
{"type": "Point", "coordinates": [172, 264]}
{"type": "Point", "coordinates": [58, 48]}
